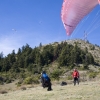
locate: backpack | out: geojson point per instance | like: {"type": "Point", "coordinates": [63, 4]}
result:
{"type": "Point", "coordinates": [45, 80]}
{"type": "Point", "coordinates": [45, 76]}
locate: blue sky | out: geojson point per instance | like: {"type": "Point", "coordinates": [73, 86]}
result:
{"type": "Point", "coordinates": [38, 21]}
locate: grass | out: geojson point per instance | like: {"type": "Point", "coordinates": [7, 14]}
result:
{"type": "Point", "coordinates": [84, 91]}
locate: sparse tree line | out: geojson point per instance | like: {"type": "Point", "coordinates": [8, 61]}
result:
{"type": "Point", "coordinates": [29, 60]}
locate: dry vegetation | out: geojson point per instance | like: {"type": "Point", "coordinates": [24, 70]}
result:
{"type": "Point", "coordinates": [88, 90]}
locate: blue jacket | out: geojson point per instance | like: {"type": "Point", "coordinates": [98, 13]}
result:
{"type": "Point", "coordinates": [45, 76]}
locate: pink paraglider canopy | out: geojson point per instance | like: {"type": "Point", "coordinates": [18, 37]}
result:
{"type": "Point", "coordinates": [74, 10]}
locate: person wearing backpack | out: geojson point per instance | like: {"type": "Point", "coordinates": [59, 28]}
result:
{"type": "Point", "coordinates": [46, 82]}
{"type": "Point", "coordinates": [75, 75]}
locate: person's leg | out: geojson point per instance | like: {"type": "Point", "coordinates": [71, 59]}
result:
{"type": "Point", "coordinates": [78, 81]}
{"type": "Point", "coordinates": [43, 85]}
{"type": "Point", "coordinates": [74, 81]}
{"type": "Point", "coordinates": [49, 86]}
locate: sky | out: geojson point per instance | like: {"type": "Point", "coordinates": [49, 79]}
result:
{"type": "Point", "coordinates": [39, 21]}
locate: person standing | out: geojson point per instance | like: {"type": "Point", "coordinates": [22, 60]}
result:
{"type": "Point", "coordinates": [46, 82]}
{"type": "Point", "coordinates": [75, 75]}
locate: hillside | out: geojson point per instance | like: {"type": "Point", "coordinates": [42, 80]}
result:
{"type": "Point", "coordinates": [94, 49]}
{"type": "Point", "coordinates": [25, 66]}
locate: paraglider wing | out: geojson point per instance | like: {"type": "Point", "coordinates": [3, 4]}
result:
{"type": "Point", "coordinates": [74, 10]}
{"type": "Point", "coordinates": [99, 1]}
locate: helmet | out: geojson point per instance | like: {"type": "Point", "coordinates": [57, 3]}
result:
{"type": "Point", "coordinates": [43, 72]}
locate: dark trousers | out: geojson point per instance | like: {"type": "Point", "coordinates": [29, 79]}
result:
{"type": "Point", "coordinates": [76, 80]}
{"type": "Point", "coordinates": [47, 84]}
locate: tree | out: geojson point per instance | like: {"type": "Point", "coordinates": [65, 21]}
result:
{"type": "Point", "coordinates": [47, 54]}
{"type": "Point", "coordinates": [40, 45]}
{"type": "Point", "coordinates": [1, 55]}
{"type": "Point", "coordinates": [6, 65]}
{"type": "Point", "coordinates": [19, 51]}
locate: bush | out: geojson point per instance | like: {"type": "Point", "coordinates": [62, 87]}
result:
{"type": "Point", "coordinates": [19, 83]}
{"type": "Point", "coordinates": [35, 80]}
{"type": "Point", "coordinates": [92, 74]}
{"type": "Point", "coordinates": [55, 75]}
{"type": "Point", "coordinates": [30, 80]}
{"type": "Point", "coordinates": [8, 81]}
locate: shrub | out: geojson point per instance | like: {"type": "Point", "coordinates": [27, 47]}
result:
{"type": "Point", "coordinates": [92, 74]}
{"type": "Point", "coordinates": [55, 75]}
{"type": "Point", "coordinates": [1, 82]}
{"type": "Point", "coordinates": [8, 81]}
{"type": "Point", "coordinates": [35, 80]}
{"type": "Point", "coordinates": [19, 83]}
{"type": "Point", "coordinates": [30, 80]}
